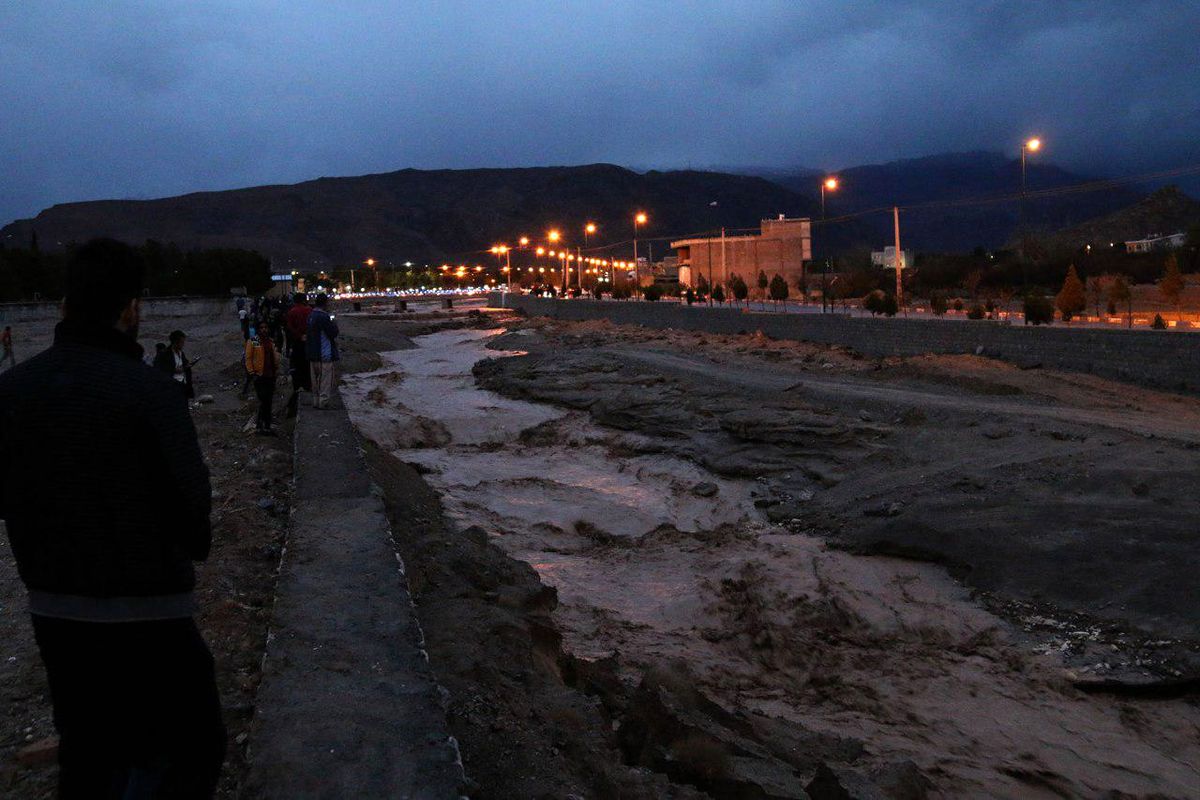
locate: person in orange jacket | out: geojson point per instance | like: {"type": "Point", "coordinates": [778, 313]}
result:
{"type": "Point", "coordinates": [262, 362]}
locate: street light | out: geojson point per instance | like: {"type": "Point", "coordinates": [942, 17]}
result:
{"type": "Point", "coordinates": [830, 184]}
{"type": "Point", "coordinates": [505, 250]}
{"type": "Point", "coordinates": [1028, 146]}
{"type": "Point", "coordinates": [588, 230]}
{"type": "Point", "coordinates": [1031, 145]}
{"type": "Point", "coordinates": [638, 219]}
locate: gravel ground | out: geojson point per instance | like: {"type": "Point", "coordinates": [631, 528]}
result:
{"type": "Point", "coordinates": [251, 478]}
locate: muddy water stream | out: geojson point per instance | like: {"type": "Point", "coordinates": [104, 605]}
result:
{"type": "Point", "coordinates": [656, 559]}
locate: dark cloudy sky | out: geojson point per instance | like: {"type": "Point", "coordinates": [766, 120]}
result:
{"type": "Point", "coordinates": [105, 98]}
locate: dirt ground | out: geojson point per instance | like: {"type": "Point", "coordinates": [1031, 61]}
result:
{"type": "Point", "coordinates": [694, 565]}
{"type": "Point", "coordinates": [251, 479]}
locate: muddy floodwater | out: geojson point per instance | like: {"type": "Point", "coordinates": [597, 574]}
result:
{"type": "Point", "coordinates": [890, 665]}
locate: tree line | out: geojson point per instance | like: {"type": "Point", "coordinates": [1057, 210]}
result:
{"type": "Point", "coordinates": [30, 273]}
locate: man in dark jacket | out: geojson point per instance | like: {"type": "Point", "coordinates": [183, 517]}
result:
{"type": "Point", "coordinates": [106, 546]}
{"type": "Point", "coordinates": [322, 351]}
{"type": "Point", "coordinates": [296, 323]}
{"type": "Point", "coordinates": [174, 362]}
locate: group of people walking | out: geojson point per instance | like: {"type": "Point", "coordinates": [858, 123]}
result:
{"type": "Point", "coordinates": [308, 336]}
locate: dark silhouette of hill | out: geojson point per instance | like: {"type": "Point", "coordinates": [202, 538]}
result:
{"type": "Point", "coordinates": [1164, 212]}
{"type": "Point", "coordinates": [954, 177]}
{"type": "Point", "coordinates": [425, 216]}
{"type": "Point", "coordinates": [454, 215]}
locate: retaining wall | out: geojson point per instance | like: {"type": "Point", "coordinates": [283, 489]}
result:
{"type": "Point", "coordinates": [151, 306]}
{"type": "Point", "coordinates": [1162, 359]}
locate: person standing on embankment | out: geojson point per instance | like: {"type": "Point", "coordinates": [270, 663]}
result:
{"type": "Point", "coordinates": [296, 323]}
{"type": "Point", "coordinates": [6, 341]}
{"type": "Point", "coordinates": [106, 499]}
{"type": "Point", "coordinates": [321, 344]}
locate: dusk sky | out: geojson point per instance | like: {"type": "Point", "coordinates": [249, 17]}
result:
{"type": "Point", "coordinates": [144, 99]}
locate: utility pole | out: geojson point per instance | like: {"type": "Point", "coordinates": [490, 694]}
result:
{"type": "Point", "coordinates": [711, 286]}
{"type": "Point", "coordinates": [899, 257]}
{"type": "Point", "coordinates": [724, 269]}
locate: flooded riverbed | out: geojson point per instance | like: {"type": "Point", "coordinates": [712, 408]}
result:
{"type": "Point", "coordinates": [657, 560]}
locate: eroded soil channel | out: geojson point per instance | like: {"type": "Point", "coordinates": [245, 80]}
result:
{"type": "Point", "coordinates": [666, 564]}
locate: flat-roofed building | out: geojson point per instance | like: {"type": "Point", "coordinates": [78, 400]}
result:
{"type": "Point", "coordinates": [782, 246]}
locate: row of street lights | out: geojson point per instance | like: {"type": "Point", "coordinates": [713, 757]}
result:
{"type": "Point", "coordinates": [554, 249]}
{"type": "Point", "coordinates": [829, 184]}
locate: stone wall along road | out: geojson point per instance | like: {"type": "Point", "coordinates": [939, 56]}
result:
{"type": "Point", "coordinates": [1164, 360]}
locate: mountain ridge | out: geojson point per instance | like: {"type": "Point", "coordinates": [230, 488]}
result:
{"type": "Point", "coordinates": [450, 214]}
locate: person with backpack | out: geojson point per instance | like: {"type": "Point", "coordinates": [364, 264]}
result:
{"type": "Point", "coordinates": [322, 351]}
{"type": "Point", "coordinates": [262, 364]}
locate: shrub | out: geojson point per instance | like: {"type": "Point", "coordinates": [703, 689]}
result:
{"type": "Point", "coordinates": [1112, 308]}
{"type": "Point", "coordinates": [1159, 323]}
{"type": "Point", "coordinates": [990, 306]}
{"type": "Point", "coordinates": [958, 304]}
{"type": "Point", "coordinates": [1039, 310]}
{"type": "Point", "coordinates": [653, 292]}
{"type": "Point", "coordinates": [1071, 299]}
{"type": "Point", "coordinates": [890, 306]}
{"type": "Point", "coordinates": [938, 304]}
{"type": "Point", "coordinates": [739, 288]}
{"type": "Point", "coordinates": [873, 302]}
{"type": "Point", "coordinates": [718, 294]}
{"type": "Point", "coordinates": [976, 312]}
{"type": "Point", "coordinates": [778, 288]}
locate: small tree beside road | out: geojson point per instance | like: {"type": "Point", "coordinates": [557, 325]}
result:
{"type": "Point", "coordinates": [1071, 300]}
{"type": "Point", "coordinates": [739, 288]}
{"type": "Point", "coordinates": [762, 286]}
{"type": "Point", "coordinates": [718, 294]}
{"type": "Point", "coordinates": [779, 289]}
{"type": "Point", "coordinates": [1171, 285]}
{"type": "Point", "coordinates": [1118, 294]}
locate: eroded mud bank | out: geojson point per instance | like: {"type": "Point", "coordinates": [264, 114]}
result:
{"type": "Point", "coordinates": [735, 653]}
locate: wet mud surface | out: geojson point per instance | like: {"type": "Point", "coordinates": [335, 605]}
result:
{"type": "Point", "coordinates": [653, 563]}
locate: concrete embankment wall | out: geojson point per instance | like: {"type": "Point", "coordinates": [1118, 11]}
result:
{"type": "Point", "coordinates": [151, 306]}
{"type": "Point", "coordinates": [1167, 360]}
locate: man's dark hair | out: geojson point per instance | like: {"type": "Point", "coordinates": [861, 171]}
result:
{"type": "Point", "coordinates": [177, 336]}
{"type": "Point", "coordinates": [102, 277]}
{"type": "Point", "coordinates": [300, 297]}
{"type": "Point", "coordinates": [322, 300]}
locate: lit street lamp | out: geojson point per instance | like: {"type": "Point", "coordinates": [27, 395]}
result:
{"type": "Point", "coordinates": [588, 230]}
{"type": "Point", "coordinates": [829, 184]}
{"type": "Point", "coordinates": [1028, 146]}
{"type": "Point", "coordinates": [638, 219]}
{"type": "Point", "coordinates": [1031, 145]}
{"type": "Point", "coordinates": [505, 250]}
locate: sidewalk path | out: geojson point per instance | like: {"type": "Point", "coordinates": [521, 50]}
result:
{"type": "Point", "coordinates": [348, 706]}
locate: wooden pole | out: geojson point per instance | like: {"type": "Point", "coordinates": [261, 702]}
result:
{"type": "Point", "coordinates": [899, 256]}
